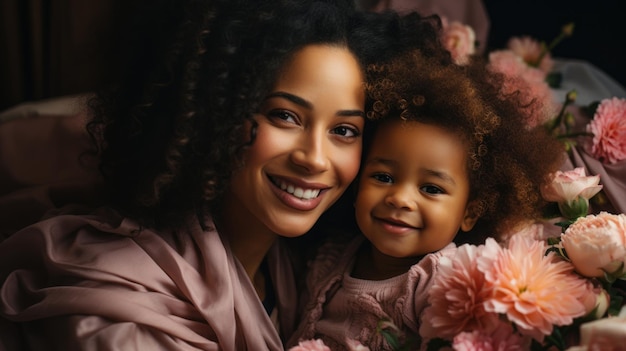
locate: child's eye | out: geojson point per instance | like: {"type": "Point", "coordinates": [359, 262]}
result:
{"type": "Point", "coordinates": [383, 177]}
{"type": "Point", "coordinates": [432, 189]}
{"type": "Point", "coordinates": [345, 131]}
{"type": "Point", "coordinates": [283, 115]}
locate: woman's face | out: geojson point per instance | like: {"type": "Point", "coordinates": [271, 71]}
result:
{"type": "Point", "coordinates": [307, 146]}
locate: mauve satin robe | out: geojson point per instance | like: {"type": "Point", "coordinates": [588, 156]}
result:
{"type": "Point", "coordinates": [94, 282]}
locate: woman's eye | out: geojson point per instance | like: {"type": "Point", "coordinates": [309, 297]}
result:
{"type": "Point", "coordinates": [345, 131]}
{"type": "Point", "coordinates": [383, 177]}
{"type": "Point", "coordinates": [432, 189]}
{"type": "Point", "coordinates": [283, 115]}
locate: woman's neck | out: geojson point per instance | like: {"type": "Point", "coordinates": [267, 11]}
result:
{"type": "Point", "coordinates": [248, 238]}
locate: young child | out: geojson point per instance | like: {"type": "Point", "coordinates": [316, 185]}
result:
{"type": "Point", "coordinates": [451, 161]}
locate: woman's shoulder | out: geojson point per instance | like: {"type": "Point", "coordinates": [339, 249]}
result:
{"type": "Point", "coordinates": [78, 237]}
{"type": "Point", "coordinates": [78, 220]}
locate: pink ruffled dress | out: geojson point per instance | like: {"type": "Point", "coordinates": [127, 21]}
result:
{"type": "Point", "coordinates": [340, 306]}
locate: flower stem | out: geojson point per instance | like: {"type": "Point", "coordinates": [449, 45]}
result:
{"type": "Point", "coordinates": [566, 31]}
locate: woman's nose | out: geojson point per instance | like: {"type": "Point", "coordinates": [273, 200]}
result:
{"type": "Point", "coordinates": [312, 155]}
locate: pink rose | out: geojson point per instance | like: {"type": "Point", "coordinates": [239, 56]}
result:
{"type": "Point", "coordinates": [609, 131]}
{"type": "Point", "coordinates": [596, 243]}
{"type": "Point", "coordinates": [572, 190]}
{"type": "Point", "coordinates": [603, 334]}
{"type": "Point", "coordinates": [569, 185]}
{"type": "Point", "coordinates": [310, 345]}
{"type": "Point", "coordinates": [459, 39]}
{"type": "Point", "coordinates": [596, 300]}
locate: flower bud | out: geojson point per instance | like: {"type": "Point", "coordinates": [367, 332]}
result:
{"type": "Point", "coordinates": [573, 209]}
{"type": "Point", "coordinates": [568, 29]}
{"type": "Point", "coordinates": [571, 96]}
{"type": "Point", "coordinates": [602, 304]}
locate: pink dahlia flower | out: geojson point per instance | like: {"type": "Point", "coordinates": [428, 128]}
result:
{"type": "Point", "coordinates": [527, 81]}
{"type": "Point", "coordinates": [534, 290]}
{"type": "Point", "coordinates": [529, 50]}
{"type": "Point", "coordinates": [609, 131]}
{"type": "Point", "coordinates": [457, 297]}
{"type": "Point", "coordinates": [310, 345]}
{"type": "Point", "coordinates": [502, 339]}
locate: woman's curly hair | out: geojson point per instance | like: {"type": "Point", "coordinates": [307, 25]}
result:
{"type": "Point", "coordinates": [169, 133]}
{"type": "Point", "coordinates": [507, 161]}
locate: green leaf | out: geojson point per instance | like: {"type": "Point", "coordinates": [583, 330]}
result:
{"type": "Point", "coordinates": [554, 240]}
{"type": "Point", "coordinates": [554, 79]}
{"type": "Point", "coordinates": [590, 110]}
{"type": "Point", "coordinates": [392, 339]}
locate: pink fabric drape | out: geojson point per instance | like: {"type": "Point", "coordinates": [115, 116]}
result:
{"type": "Point", "coordinates": [95, 281]}
{"type": "Point", "coordinates": [612, 176]}
{"type": "Point", "coordinates": [469, 12]}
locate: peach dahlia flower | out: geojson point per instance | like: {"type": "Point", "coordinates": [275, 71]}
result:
{"type": "Point", "coordinates": [534, 290]}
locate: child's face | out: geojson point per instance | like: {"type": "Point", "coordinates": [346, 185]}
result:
{"type": "Point", "coordinates": [308, 144]}
{"type": "Point", "coordinates": [413, 190]}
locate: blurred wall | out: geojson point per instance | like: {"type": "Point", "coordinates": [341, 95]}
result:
{"type": "Point", "coordinates": [51, 48]}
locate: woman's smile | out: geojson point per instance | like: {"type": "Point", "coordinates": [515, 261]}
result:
{"type": "Point", "coordinates": [299, 197]}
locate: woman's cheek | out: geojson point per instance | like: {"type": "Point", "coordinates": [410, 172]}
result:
{"type": "Point", "coordinates": [348, 163]}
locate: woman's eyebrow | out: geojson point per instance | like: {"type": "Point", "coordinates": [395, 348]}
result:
{"type": "Point", "coordinates": [308, 105]}
{"type": "Point", "coordinates": [293, 98]}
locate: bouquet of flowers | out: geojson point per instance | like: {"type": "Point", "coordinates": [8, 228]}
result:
{"type": "Point", "coordinates": [536, 291]}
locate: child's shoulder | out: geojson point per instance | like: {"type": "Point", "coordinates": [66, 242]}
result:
{"type": "Point", "coordinates": [334, 255]}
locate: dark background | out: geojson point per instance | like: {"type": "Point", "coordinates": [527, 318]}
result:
{"type": "Point", "coordinates": [599, 34]}
{"type": "Point", "coordinates": [51, 48]}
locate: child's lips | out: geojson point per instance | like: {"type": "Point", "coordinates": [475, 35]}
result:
{"type": "Point", "coordinates": [396, 226]}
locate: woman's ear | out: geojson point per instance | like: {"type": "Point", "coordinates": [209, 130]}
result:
{"type": "Point", "coordinates": [470, 217]}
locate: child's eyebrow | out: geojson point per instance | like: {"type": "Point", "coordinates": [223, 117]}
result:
{"type": "Point", "coordinates": [383, 161]}
{"type": "Point", "coordinates": [441, 175]}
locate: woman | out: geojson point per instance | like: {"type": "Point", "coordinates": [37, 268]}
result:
{"type": "Point", "coordinates": [235, 131]}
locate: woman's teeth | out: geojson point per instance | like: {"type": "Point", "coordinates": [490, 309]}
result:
{"type": "Point", "coordinates": [306, 194]}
